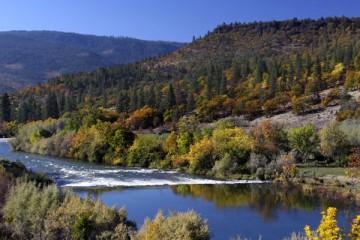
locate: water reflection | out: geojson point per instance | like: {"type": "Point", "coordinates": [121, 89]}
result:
{"type": "Point", "coordinates": [264, 199]}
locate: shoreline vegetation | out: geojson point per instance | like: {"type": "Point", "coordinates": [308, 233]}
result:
{"type": "Point", "coordinates": [222, 150]}
{"type": "Point", "coordinates": [33, 207]}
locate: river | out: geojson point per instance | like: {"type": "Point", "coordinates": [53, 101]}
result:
{"type": "Point", "coordinates": [246, 208]}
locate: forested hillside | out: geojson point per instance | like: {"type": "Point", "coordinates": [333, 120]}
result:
{"type": "Point", "coordinates": [30, 57]}
{"type": "Point", "coordinates": [251, 69]}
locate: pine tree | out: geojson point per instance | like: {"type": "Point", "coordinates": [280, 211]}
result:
{"type": "Point", "coordinates": [170, 98]}
{"type": "Point", "coordinates": [223, 86]}
{"type": "Point", "coordinates": [150, 96]}
{"type": "Point", "coordinates": [290, 80]}
{"type": "Point", "coordinates": [22, 115]}
{"type": "Point", "coordinates": [210, 80]}
{"type": "Point", "coordinates": [140, 98]}
{"type": "Point", "coordinates": [51, 109]}
{"type": "Point", "coordinates": [260, 68]}
{"type": "Point", "coordinates": [190, 101]}
{"type": "Point", "coordinates": [236, 73]}
{"type": "Point", "coordinates": [69, 104]}
{"type": "Point", "coordinates": [61, 103]}
{"type": "Point", "coordinates": [158, 97]}
{"type": "Point", "coordinates": [298, 71]}
{"type": "Point", "coordinates": [104, 99]}
{"type": "Point", "coordinates": [122, 102]}
{"type": "Point", "coordinates": [133, 100]}
{"type": "Point", "coordinates": [5, 108]}
{"type": "Point", "coordinates": [357, 62]}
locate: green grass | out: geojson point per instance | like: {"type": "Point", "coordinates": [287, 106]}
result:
{"type": "Point", "coordinates": [322, 171]}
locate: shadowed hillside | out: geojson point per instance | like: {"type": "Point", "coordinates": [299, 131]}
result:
{"type": "Point", "coordinates": [30, 57]}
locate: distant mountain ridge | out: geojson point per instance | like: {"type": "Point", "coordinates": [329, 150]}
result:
{"type": "Point", "coordinates": [30, 57]}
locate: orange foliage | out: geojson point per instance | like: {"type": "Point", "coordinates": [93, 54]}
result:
{"type": "Point", "coordinates": [144, 118]}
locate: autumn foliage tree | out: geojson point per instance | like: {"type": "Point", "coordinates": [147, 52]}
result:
{"type": "Point", "coordinates": [269, 139]}
{"type": "Point", "coordinates": [145, 117]}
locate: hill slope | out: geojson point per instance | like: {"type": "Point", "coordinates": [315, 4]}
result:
{"type": "Point", "coordinates": [238, 69]}
{"type": "Point", "coordinates": [30, 57]}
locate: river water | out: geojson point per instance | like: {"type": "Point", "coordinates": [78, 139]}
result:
{"type": "Point", "coordinates": [232, 208]}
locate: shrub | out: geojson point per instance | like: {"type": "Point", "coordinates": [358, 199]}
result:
{"type": "Point", "coordinates": [332, 141]}
{"type": "Point", "coordinates": [144, 118]}
{"type": "Point", "coordinates": [303, 140]}
{"type": "Point", "coordinates": [269, 139]}
{"type": "Point", "coordinates": [177, 226]}
{"type": "Point", "coordinates": [327, 229]}
{"type": "Point", "coordinates": [351, 129]}
{"type": "Point", "coordinates": [47, 213]}
{"type": "Point", "coordinates": [300, 105]}
{"type": "Point", "coordinates": [232, 141]}
{"type": "Point", "coordinates": [89, 144]}
{"type": "Point", "coordinates": [26, 209]}
{"type": "Point", "coordinates": [146, 151]}
{"type": "Point", "coordinates": [201, 156]}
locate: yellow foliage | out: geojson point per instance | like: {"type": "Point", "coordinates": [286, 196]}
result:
{"type": "Point", "coordinates": [355, 229]}
{"type": "Point", "coordinates": [231, 140]}
{"type": "Point", "coordinates": [338, 69]}
{"type": "Point", "coordinates": [328, 228]}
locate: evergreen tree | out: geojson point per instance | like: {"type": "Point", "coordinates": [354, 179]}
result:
{"type": "Point", "coordinates": [5, 108]}
{"type": "Point", "coordinates": [348, 57]}
{"type": "Point", "coordinates": [122, 102]}
{"type": "Point", "coordinates": [140, 98]}
{"type": "Point", "coordinates": [317, 71]}
{"type": "Point", "coordinates": [357, 62]}
{"type": "Point", "coordinates": [260, 68]}
{"type": "Point", "coordinates": [133, 100]}
{"type": "Point", "coordinates": [209, 84]}
{"type": "Point", "coordinates": [308, 65]}
{"type": "Point", "coordinates": [236, 72]}
{"type": "Point", "coordinates": [69, 104]}
{"type": "Point", "coordinates": [223, 86]}
{"type": "Point", "coordinates": [272, 79]}
{"type": "Point", "coordinates": [158, 97]}
{"type": "Point", "coordinates": [22, 115]}
{"type": "Point", "coordinates": [51, 109]}
{"type": "Point", "coordinates": [61, 103]}
{"type": "Point", "coordinates": [190, 101]}
{"type": "Point", "coordinates": [245, 68]}
{"type": "Point", "coordinates": [170, 98]}
{"type": "Point", "coordinates": [104, 99]}
{"type": "Point", "coordinates": [298, 72]}
{"type": "Point", "coordinates": [290, 80]}
{"type": "Point", "coordinates": [150, 96]}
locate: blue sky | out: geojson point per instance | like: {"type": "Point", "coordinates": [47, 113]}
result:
{"type": "Point", "coordinates": [172, 20]}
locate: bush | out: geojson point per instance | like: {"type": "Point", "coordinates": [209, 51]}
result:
{"type": "Point", "coordinates": [269, 140]}
{"type": "Point", "coordinates": [351, 129]}
{"type": "Point", "coordinates": [30, 134]}
{"type": "Point", "coordinates": [144, 118]}
{"type": "Point", "coordinates": [332, 141]}
{"type": "Point", "coordinates": [303, 140]}
{"type": "Point", "coordinates": [89, 144]}
{"type": "Point", "coordinates": [201, 156]}
{"type": "Point", "coordinates": [146, 151]}
{"type": "Point", "coordinates": [47, 213]}
{"type": "Point", "coordinates": [177, 226]}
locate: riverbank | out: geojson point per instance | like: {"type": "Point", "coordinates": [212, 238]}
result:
{"type": "Point", "coordinates": [330, 186]}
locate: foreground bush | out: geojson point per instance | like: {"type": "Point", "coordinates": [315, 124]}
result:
{"type": "Point", "coordinates": [47, 213]}
{"type": "Point", "coordinates": [329, 230]}
{"type": "Point", "coordinates": [177, 226]}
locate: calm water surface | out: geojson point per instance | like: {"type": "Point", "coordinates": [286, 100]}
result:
{"type": "Point", "coordinates": [248, 209]}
